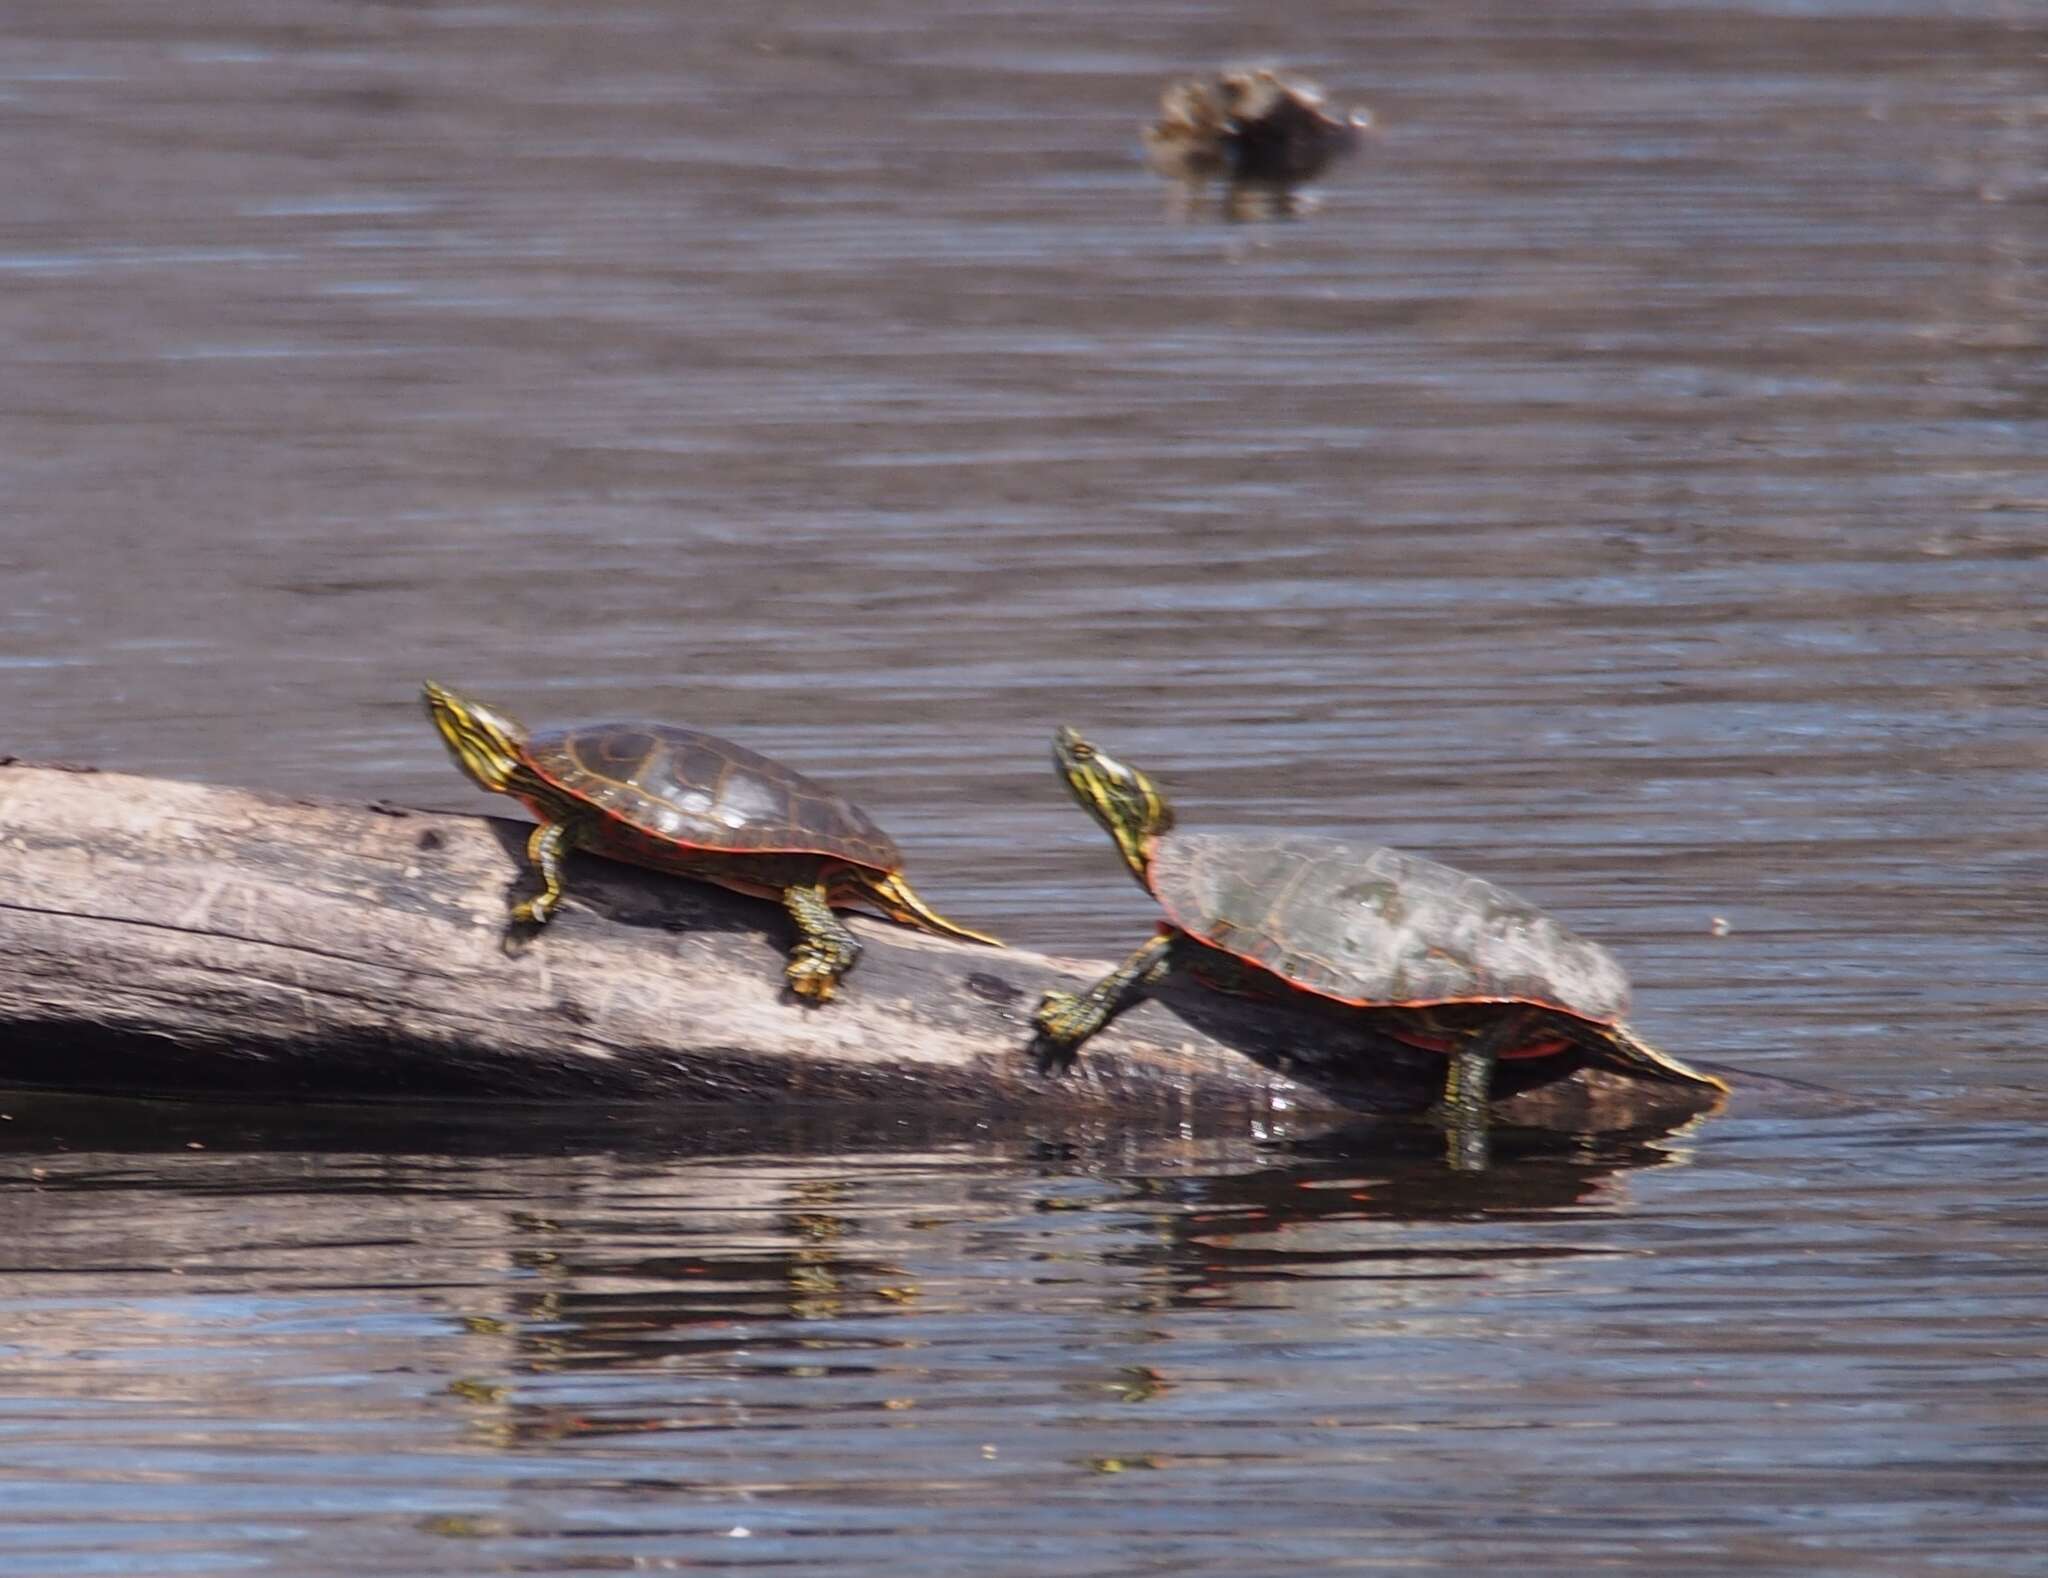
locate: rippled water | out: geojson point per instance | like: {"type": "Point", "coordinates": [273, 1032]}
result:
{"type": "Point", "coordinates": [1630, 479]}
{"type": "Point", "coordinates": [417, 1352]}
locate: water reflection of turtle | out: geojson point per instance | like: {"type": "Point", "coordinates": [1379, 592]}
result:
{"type": "Point", "coordinates": [1248, 125]}
{"type": "Point", "coordinates": [676, 800]}
{"type": "Point", "coordinates": [1312, 1228]}
{"type": "Point", "coordinates": [1438, 960]}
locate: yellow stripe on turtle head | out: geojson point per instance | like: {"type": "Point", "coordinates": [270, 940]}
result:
{"type": "Point", "coordinates": [485, 743]}
{"type": "Point", "coordinates": [1116, 794]}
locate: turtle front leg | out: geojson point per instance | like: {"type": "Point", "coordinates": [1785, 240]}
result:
{"type": "Point", "coordinates": [1468, 1086]}
{"type": "Point", "coordinates": [546, 849]}
{"type": "Point", "coordinates": [824, 950]}
{"type": "Point", "coordinates": [1066, 1019]}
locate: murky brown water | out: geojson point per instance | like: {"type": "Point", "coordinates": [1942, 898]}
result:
{"type": "Point", "coordinates": [1632, 481]}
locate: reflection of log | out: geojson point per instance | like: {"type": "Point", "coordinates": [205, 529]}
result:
{"type": "Point", "coordinates": [169, 937]}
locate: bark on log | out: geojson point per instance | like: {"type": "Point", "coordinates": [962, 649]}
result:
{"type": "Point", "coordinates": [173, 938]}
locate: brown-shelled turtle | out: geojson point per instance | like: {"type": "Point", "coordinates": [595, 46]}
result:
{"type": "Point", "coordinates": [1441, 960]}
{"type": "Point", "coordinates": [689, 803]}
{"type": "Point", "coordinates": [1249, 125]}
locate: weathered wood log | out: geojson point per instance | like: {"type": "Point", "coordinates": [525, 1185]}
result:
{"type": "Point", "coordinates": [172, 938]}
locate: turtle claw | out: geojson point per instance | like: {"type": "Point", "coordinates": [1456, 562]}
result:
{"type": "Point", "coordinates": [528, 917]}
{"type": "Point", "coordinates": [813, 978]}
{"type": "Point", "coordinates": [1058, 1016]}
{"type": "Point", "coordinates": [1061, 1023]}
{"type": "Point", "coordinates": [1052, 1057]}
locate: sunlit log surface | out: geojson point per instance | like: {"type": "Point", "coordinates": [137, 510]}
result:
{"type": "Point", "coordinates": [173, 938]}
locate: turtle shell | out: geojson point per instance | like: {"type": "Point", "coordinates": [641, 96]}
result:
{"type": "Point", "coordinates": [1377, 928]}
{"type": "Point", "coordinates": [696, 791]}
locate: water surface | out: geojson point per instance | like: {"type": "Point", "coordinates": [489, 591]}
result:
{"type": "Point", "coordinates": [1629, 480]}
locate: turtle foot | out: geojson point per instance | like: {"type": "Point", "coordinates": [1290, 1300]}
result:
{"type": "Point", "coordinates": [1062, 1017]}
{"type": "Point", "coordinates": [525, 924]}
{"type": "Point", "coordinates": [535, 911]}
{"type": "Point", "coordinates": [1063, 1021]}
{"type": "Point", "coordinates": [812, 978]}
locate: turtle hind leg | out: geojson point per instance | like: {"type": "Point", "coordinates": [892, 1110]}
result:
{"type": "Point", "coordinates": [824, 949]}
{"type": "Point", "coordinates": [1468, 1086]}
{"type": "Point", "coordinates": [1066, 1019]}
{"type": "Point", "coordinates": [549, 844]}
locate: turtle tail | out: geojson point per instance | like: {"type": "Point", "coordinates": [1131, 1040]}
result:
{"type": "Point", "coordinates": [901, 903]}
{"type": "Point", "coordinates": [1634, 1053]}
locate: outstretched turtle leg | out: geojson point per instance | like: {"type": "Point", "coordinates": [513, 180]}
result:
{"type": "Point", "coordinates": [824, 950]}
{"type": "Point", "coordinates": [551, 841]}
{"type": "Point", "coordinates": [1065, 1019]}
{"type": "Point", "coordinates": [1469, 1083]}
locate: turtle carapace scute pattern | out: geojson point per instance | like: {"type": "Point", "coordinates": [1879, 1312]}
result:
{"type": "Point", "coordinates": [697, 789]}
{"type": "Point", "coordinates": [1369, 925]}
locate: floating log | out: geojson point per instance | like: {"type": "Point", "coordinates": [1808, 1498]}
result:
{"type": "Point", "coordinates": [162, 937]}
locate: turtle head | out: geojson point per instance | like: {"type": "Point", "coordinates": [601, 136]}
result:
{"type": "Point", "coordinates": [1117, 795]}
{"type": "Point", "coordinates": [484, 742]}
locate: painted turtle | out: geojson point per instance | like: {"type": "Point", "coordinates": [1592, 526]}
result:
{"type": "Point", "coordinates": [680, 801]}
{"type": "Point", "coordinates": [1442, 960]}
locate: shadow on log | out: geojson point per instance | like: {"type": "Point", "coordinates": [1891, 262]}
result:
{"type": "Point", "coordinates": [172, 938]}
